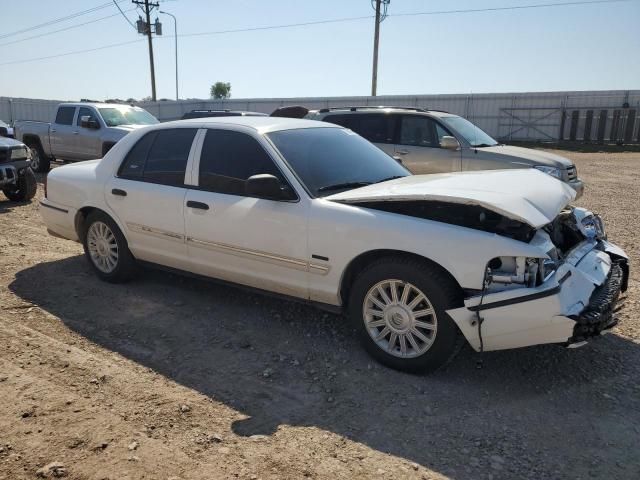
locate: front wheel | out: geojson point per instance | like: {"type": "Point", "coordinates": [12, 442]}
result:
{"type": "Point", "coordinates": [106, 249]}
{"type": "Point", "coordinates": [25, 188]}
{"type": "Point", "coordinates": [398, 307]}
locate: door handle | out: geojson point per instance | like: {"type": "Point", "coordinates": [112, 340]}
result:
{"type": "Point", "coordinates": [198, 205]}
{"type": "Point", "coordinates": [53, 130]}
{"type": "Point", "coordinates": [75, 133]}
{"type": "Point", "coordinates": [402, 152]}
{"type": "Point", "coordinates": [118, 192]}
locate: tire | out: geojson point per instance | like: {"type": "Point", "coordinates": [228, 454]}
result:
{"type": "Point", "coordinates": [106, 249]}
{"type": "Point", "coordinates": [25, 188]}
{"type": "Point", "coordinates": [437, 340]}
{"type": "Point", "coordinates": [39, 161]}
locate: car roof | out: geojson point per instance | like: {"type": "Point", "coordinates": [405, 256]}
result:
{"type": "Point", "coordinates": [260, 124]}
{"type": "Point", "coordinates": [381, 110]}
{"type": "Point", "coordinates": [95, 104]}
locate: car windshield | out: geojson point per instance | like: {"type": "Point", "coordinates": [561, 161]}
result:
{"type": "Point", "coordinates": [330, 160]}
{"type": "Point", "coordinates": [115, 116]}
{"type": "Point", "coordinates": [471, 133]}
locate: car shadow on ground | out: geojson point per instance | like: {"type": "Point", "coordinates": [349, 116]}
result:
{"type": "Point", "coordinates": [554, 412]}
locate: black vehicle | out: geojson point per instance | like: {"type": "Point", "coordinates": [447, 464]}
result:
{"type": "Point", "coordinates": [17, 180]}
{"type": "Point", "coordinates": [6, 130]}
{"type": "Point", "coordinates": [220, 113]}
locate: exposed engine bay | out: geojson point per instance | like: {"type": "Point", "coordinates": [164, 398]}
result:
{"type": "Point", "coordinates": [575, 287]}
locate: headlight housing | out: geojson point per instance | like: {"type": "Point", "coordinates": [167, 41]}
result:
{"type": "Point", "coordinates": [19, 154]}
{"type": "Point", "coordinates": [553, 171]}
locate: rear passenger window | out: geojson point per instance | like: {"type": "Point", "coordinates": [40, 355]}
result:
{"type": "Point", "coordinates": [160, 157]}
{"type": "Point", "coordinates": [133, 165]}
{"type": "Point", "coordinates": [167, 159]}
{"type": "Point", "coordinates": [229, 158]}
{"type": "Point", "coordinates": [65, 115]}
{"type": "Point", "coordinates": [377, 128]}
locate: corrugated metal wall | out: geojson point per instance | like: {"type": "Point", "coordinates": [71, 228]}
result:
{"type": "Point", "coordinates": [591, 115]}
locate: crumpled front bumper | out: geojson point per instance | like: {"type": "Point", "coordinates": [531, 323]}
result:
{"type": "Point", "coordinates": [575, 304]}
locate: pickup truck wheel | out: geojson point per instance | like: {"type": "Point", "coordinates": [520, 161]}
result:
{"type": "Point", "coordinates": [106, 249]}
{"type": "Point", "coordinates": [398, 307]}
{"type": "Point", "coordinates": [39, 161]}
{"type": "Point", "coordinates": [25, 188]}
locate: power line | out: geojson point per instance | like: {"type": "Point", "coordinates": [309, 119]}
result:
{"type": "Point", "coordinates": [514, 7]}
{"type": "Point", "coordinates": [73, 53]}
{"type": "Point", "coordinates": [71, 27]}
{"type": "Point", "coordinates": [58, 20]}
{"type": "Point", "coordinates": [322, 22]}
{"type": "Point", "coordinates": [125, 17]}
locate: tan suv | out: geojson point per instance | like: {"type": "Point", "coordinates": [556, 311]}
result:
{"type": "Point", "coordinates": [432, 141]}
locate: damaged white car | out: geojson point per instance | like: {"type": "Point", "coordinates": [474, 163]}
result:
{"type": "Point", "coordinates": [313, 211]}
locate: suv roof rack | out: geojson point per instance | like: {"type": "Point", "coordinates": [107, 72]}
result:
{"type": "Point", "coordinates": [208, 111]}
{"type": "Point", "coordinates": [374, 107]}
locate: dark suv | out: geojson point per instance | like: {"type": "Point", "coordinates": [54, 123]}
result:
{"type": "Point", "coordinates": [17, 180]}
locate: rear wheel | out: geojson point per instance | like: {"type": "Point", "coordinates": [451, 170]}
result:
{"type": "Point", "coordinates": [25, 188]}
{"type": "Point", "coordinates": [39, 161]}
{"type": "Point", "coordinates": [106, 249]}
{"type": "Point", "coordinates": [398, 306]}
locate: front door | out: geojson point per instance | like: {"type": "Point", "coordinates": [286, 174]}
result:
{"type": "Point", "coordinates": [148, 196]}
{"type": "Point", "coordinates": [418, 145]}
{"type": "Point", "coordinates": [89, 142]}
{"type": "Point", "coordinates": [63, 134]}
{"type": "Point", "coordinates": [252, 241]}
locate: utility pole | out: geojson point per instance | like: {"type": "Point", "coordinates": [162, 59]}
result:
{"type": "Point", "coordinates": [376, 40]}
{"type": "Point", "coordinates": [147, 7]}
{"type": "Point", "coordinates": [381, 14]}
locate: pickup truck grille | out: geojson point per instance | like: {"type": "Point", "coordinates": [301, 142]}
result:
{"type": "Point", "coordinates": [572, 173]}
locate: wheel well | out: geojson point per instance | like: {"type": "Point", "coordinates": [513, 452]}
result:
{"type": "Point", "coordinates": [32, 140]}
{"type": "Point", "coordinates": [81, 216]}
{"type": "Point", "coordinates": [363, 260]}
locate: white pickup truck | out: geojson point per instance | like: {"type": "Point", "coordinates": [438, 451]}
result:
{"type": "Point", "coordinates": [80, 131]}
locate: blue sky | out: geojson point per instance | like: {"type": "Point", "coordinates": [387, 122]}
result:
{"type": "Point", "coordinates": [562, 48]}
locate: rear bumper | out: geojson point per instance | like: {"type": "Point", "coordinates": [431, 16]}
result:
{"type": "Point", "coordinates": [577, 303]}
{"type": "Point", "coordinates": [59, 219]}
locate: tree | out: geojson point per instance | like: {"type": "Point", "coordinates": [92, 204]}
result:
{"type": "Point", "coordinates": [221, 90]}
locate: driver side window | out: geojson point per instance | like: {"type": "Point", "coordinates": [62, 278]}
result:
{"type": "Point", "coordinates": [229, 158]}
{"type": "Point", "coordinates": [85, 112]}
{"type": "Point", "coordinates": [418, 131]}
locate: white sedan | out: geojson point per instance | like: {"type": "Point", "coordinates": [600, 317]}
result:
{"type": "Point", "coordinates": [313, 211]}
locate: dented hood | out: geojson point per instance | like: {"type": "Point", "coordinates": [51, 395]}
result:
{"type": "Point", "coordinates": [526, 195]}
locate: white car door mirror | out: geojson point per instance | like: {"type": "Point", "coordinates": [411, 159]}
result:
{"type": "Point", "coordinates": [449, 143]}
{"type": "Point", "coordinates": [264, 186]}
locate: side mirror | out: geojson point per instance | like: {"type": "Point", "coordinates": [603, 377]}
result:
{"type": "Point", "coordinates": [449, 143]}
{"type": "Point", "coordinates": [397, 159]}
{"type": "Point", "coordinates": [264, 186]}
{"type": "Point", "coordinates": [87, 122]}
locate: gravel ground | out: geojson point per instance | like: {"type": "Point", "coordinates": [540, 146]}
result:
{"type": "Point", "coordinates": [171, 377]}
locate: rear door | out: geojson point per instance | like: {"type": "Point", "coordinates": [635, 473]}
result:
{"type": "Point", "coordinates": [378, 128]}
{"type": "Point", "coordinates": [88, 141]}
{"type": "Point", "coordinates": [230, 235]}
{"type": "Point", "coordinates": [63, 133]}
{"type": "Point", "coordinates": [418, 145]}
{"type": "Point", "coordinates": [148, 195]}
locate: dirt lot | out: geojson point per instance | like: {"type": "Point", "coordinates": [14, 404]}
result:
{"type": "Point", "coordinates": [169, 377]}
